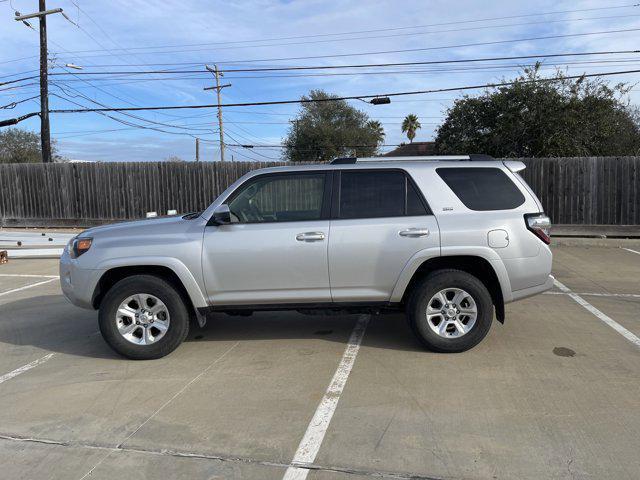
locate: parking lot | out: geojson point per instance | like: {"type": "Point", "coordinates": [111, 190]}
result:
{"type": "Point", "coordinates": [553, 393]}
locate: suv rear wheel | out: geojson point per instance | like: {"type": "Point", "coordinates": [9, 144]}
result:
{"type": "Point", "coordinates": [143, 317]}
{"type": "Point", "coordinates": [450, 311]}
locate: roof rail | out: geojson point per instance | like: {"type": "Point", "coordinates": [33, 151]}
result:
{"type": "Point", "coordinates": [479, 157]}
{"type": "Point", "coordinates": [433, 158]}
{"type": "Point", "coordinates": [474, 157]}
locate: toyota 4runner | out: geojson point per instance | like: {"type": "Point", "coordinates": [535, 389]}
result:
{"type": "Point", "coordinates": [449, 240]}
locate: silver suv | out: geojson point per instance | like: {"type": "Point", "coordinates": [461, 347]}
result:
{"type": "Point", "coordinates": [446, 239]}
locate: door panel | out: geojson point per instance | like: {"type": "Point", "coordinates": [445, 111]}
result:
{"type": "Point", "coordinates": [366, 256]}
{"type": "Point", "coordinates": [379, 221]}
{"type": "Point", "coordinates": [260, 263]}
{"type": "Point", "coordinates": [275, 249]}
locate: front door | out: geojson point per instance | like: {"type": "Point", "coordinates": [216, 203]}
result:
{"type": "Point", "coordinates": [275, 249]}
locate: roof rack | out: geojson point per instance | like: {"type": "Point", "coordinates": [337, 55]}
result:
{"type": "Point", "coordinates": [343, 160]}
{"type": "Point", "coordinates": [434, 158]}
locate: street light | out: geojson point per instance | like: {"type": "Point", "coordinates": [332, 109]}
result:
{"type": "Point", "coordinates": [72, 65]}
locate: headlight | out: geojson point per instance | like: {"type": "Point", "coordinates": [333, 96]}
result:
{"type": "Point", "coordinates": [78, 246]}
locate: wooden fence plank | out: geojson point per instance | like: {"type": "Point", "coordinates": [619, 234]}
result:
{"type": "Point", "coordinates": [579, 191]}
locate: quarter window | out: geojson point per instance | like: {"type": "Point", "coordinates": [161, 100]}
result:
{"type": "Point", "coordinates": [279, 198]}
{"type": "Point", "coordinates": [380, 193]}
{"type": "Point", "coordinates": [481, 188]}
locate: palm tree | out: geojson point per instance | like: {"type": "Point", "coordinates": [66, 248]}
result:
{"type": "Point", "coordinates": [409, 125]}
{"type": "Point", "coordinates": [377, 130]}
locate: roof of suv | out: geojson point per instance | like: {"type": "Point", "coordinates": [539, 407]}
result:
{"type": "Point", "coordinates": [407, 163]}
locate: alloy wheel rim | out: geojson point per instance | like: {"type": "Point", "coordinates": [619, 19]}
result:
{"type": "Point", "coordinates": [142, 319]}
{"type": "Point", "coordinates": [451, 313]}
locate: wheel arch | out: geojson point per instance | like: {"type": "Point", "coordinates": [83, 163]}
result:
{"type": "Point", "coordinates": [478, 266]}
{"type": "Point", "coordinates": [181, 281]}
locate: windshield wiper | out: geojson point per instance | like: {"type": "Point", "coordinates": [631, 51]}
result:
{"type": "Point", "coordinates": [192, 215]}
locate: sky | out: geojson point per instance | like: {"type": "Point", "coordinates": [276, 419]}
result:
{"type": "Point", "coordinates": [141, 35]}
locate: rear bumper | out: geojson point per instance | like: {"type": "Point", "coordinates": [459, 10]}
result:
{"type": "Point", "coordinates": [531, 291]}
{"type": "Point", "coordinates": [78, 284]}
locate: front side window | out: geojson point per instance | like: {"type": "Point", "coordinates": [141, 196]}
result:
{"type": "Point", "coordinates": [380, 193]}
{"type": "Point", "coordinates": [279, 198]}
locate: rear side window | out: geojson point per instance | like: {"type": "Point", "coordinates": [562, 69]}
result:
{"type": "Point", "coordinates": [380, 193]}
{"type": "Point", "coordinates": [482, 188]}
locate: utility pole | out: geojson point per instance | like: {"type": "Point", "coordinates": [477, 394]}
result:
{"type": "Point", "coordinates": [197, 149]}
{"type": "Point", "coordinates": [45, 131]}
{"type": "Point", "coordinates": [217, 88]}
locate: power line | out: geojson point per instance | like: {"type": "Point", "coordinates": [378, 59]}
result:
{"type": "Point", "coordinates": [75, 75]}
{"type": "Point", "coordinates": [324, 35]}
{"type": "Point", "coordinates": [162, 124]}
{"type": "Point", "coordinates": [318, 148]}
{"type": "Point", "coordinates": [365, 65]}
{"type": "Point", "coordinates": [129, 123]}
{"type": "Point", "coordinates": [407, 50]}
{"type": "Point", "coordinates": [595, 62]}
{"type": "Point", "coordinates": [509, 17]}
{"type": "Point", "coordinates": [11, 105]}
{"type": "Point", "coordinates": [162, 49]}
{"type": "Point", "coordinates": [354, 97]}
{"type": "Point", "coordinates": [473, 69]}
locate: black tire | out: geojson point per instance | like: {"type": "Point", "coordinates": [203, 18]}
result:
{"type": "Point", "coordinates": [152, 285]}
{"type": "Point", "coordinates": [427, 288]}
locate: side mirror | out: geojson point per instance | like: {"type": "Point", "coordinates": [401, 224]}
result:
{"type": "Point", "coordinates": [221, 215]}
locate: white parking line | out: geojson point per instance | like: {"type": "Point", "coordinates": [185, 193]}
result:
{"type": "Point", "coordinates": [630, 250]}
{"type": "Point", "coordinates": [593, 294]}
{"type": "Point", "coordinates": [31, 285]}
{"type": "Point", "coordinates": [310, 444]}
{"type": "Point", "coordinates": [606, 319]}
{"type": "Point", "coordinates": [22, 275]}
{"type": "Point", "coordinates": [25, 368]}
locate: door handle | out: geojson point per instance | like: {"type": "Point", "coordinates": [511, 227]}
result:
{"type": "Point", "coordinates": [310, 237]}
{"type": "Point", "coordinates": [414, 232]}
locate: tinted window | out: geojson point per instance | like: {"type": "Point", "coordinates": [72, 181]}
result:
{"type": "Point", "coordinates": [377, 194]}
{"type": "Point", "coordinates": [279, 198]}
{"type": "Point", "coordinates": [482, 188]}
{"type": "Point", "coordinates": [415, 206]}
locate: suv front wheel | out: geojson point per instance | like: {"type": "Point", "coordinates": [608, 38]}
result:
{"type": "Point", "coordinates": [450, 311]}
{"type": "Point", "coordinates": [143, 317]}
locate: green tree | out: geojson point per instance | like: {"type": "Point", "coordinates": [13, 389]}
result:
{"type": "Point", "coordinates": [23, 146]}
{"type": "Point", "coordinates": [537, 118]}
{"type": "Point", "coordinates": [19, 146]}
{"type": "Point", "coordinates": [378, 130]}
{"type": "Point", "coordinates": [325, 129]}
{"type": "Point", "coordinates": [410, 126]}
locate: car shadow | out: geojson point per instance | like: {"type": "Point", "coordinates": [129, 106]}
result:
{"type": "Point", "coordinates": [51, 323]}
{"type": "Point", "coordinates": [389, 330]}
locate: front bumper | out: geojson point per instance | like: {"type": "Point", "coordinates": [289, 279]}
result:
{"type": "Point", "coordinates": [78, 284]}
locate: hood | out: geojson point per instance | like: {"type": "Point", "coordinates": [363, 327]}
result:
{"type": "Point", "coordinates": [136, 226]}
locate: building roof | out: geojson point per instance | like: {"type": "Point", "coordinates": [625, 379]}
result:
{"type": "Point", "coordinates": [412, 150]}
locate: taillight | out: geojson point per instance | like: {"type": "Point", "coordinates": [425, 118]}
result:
{"type": "Point", "coordinates": [540, 225]}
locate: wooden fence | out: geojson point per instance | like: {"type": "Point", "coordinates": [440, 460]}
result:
{"type": "Point", "coordinates": [576, 191]}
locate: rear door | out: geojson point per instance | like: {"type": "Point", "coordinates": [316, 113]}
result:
{"type": "Point", "coordinates": [379, 221]}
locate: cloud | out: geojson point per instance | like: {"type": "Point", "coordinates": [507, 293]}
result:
{"type": "Point", "coordinates": [196, 32]}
